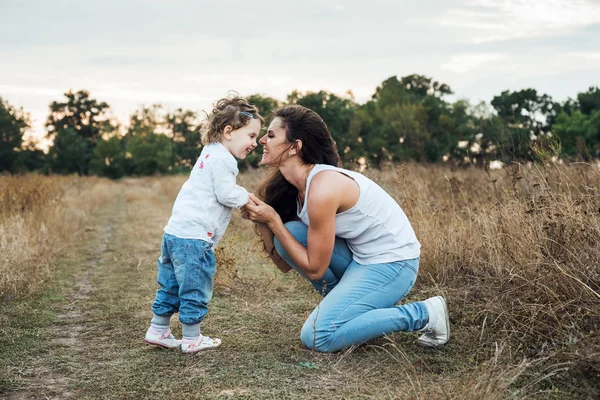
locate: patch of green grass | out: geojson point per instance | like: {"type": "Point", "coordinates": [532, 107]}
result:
{"type": "Point", "coordinates": [24, 334]}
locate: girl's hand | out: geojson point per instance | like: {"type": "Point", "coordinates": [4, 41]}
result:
{"type": "Point", "coordinates": [244, 211]}
{"type": "Point", "coordinates": [251, 196]}
{"type": "Point", "coordinates": [260, 211]}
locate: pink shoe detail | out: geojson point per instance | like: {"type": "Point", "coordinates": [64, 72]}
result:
{"type": "Point", "coordinates": [165, 340]}
{"type": "Point", "coordinates": [202, 343]}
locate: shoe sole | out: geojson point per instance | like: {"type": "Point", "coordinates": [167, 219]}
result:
{"type": "Point", "coordinates": [162, 346]}
{"type": "Point", "coordinates": [204, 349]}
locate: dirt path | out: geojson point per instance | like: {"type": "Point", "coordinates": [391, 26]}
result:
{"type": "Point", "coordinates": [68, 338]}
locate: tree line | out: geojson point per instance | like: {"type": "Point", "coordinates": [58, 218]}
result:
{"type": "Point", "coordinates": [407, 118]}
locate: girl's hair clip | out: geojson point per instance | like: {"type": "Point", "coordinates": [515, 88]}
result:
{"type": "Point", "coordinates": [247, 114]}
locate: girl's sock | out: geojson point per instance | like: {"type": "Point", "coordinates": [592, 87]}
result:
{"type": "Point", "coordinates": [159, 329]}
{"type": "Point", "coordinates": [160, 324]}
{"type": "Point", "coordinates": [190, 331]}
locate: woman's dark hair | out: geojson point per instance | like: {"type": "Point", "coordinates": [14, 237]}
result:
{"type": "Point", "coordinates": [318, 147]}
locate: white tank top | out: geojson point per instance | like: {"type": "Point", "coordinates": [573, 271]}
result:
{"type": "Point", "coordinates": [375, 228]}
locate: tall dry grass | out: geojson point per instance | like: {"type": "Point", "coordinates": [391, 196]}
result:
{"type": "Point", "coordinates": [516, 252]}
{"type": "Point", "coordinates": [518, 249]}
{"type": "Point", "coordinates": [40, 218]}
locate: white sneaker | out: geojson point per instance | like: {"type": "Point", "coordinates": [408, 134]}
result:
{"type": "Point", "coordinates": [202, 343]}
{"type": "Point", "coordinates": [166, 340]}
{"type": "Point", "coordinates": [437, 330]}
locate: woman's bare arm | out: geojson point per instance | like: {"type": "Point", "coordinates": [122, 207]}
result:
{"type": "Point", "coordinates": [314, 260]}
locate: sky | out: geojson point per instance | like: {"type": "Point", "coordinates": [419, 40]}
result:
{"type": "Point", "coordinates": [188, 54]}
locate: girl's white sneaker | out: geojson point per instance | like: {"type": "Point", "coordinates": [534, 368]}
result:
{"type": "Point", "coordinates": [165, 340]}
{"type": "Point", "coordinates": [202, 343]}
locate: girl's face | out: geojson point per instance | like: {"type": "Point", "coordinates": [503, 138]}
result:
{"type": "Point", "coordinates": [275, 144]}
{"type": "Point", "coordinates": [242, 141]}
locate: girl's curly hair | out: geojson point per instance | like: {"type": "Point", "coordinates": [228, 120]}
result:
{"type": "Point", "coordinates": [232, 110]}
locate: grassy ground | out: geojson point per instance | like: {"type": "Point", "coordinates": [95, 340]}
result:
{"type": "Point", "coordinates": [82, 335]}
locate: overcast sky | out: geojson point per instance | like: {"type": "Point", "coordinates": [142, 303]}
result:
{"type": "Point", "coordinates": [189, 53]}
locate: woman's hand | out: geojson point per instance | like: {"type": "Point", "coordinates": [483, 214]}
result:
{"type": "Point", "coordinates": [245, 213]}
{"type": "Point", "coordinates": [259, 211]}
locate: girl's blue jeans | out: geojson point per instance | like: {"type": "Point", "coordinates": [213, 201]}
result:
{"type": "Point", "coordinates": [186, 269]}
{"type": "Point", "coordinates": [359, 300]}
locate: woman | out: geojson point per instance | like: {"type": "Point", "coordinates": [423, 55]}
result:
{"type": "Point", "coordinates": [344, 234]}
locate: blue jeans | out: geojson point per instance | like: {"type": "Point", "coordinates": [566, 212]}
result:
{"type": "Point", "coordinates": [359, 300]}
{"type": "Point", "coordinates": [186, 269]}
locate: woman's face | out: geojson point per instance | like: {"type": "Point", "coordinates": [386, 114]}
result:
{"type": "Point", "coordinates": [275, 144]}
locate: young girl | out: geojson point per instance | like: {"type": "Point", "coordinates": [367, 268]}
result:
{"type": "Point", "coordinates": [201, 213]}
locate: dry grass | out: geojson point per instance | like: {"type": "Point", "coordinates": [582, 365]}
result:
{"type": "Point", "coordinates": [518, 248]}
{"type": "Point", "coordinates": [39, 218]}
{"type": "Point", "coordinates": [515, 251]}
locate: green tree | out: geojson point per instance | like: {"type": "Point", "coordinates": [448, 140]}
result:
{"type": "Point", "coordinates": [407, 118]}
{"type": "Point", "coordinates": [148, 151]}
{"type": "Point", "coordinates": [13, 125]}
{"type": "Point", "coordinates": [392, 133]}
{"type": "Point", "coordinates": [183, 128]}
{"type": "Point", "coordinates": [109, 158]}
{"type": "Point", "coordinates": [441, 124]}
{"type": "Point", "coordinates": [526, 116]}
{"type": "Point", "coordinates": [478, 130]}
{"type": "Point", "coordinates": [405, 132]}
{"type": "Point", "coordinates": [579, 134]}
{"type": "Point", "coordinates": [366, 131]}
{"type": "Point", "coordinates": [577, 125]}
{"type": "Point", "coordinates": [391, 92]}
{"type": "Point", "coordinates": [589, 101]}
{"type": "Point", "coordinates": [69, 153]}
{"type": "Point", "coordinates": [420, 87]}
{"type": "Point", "coordinates": [525, 110]}
{"type": "Point", "coordinates": [32, 158]}
{"type": "Point", "coordinates": [82, 116]}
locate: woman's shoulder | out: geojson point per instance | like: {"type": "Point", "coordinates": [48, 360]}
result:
{"type": "Point", "coordinates": [329, 182]}
{"type": "Point", "coordinates": [327, 174]}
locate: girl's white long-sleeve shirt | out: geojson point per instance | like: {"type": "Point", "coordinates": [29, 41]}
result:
{"type": "Point", "coordinates": [204, 204]}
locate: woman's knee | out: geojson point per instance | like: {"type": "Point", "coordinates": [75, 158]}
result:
{"type": "Point", "coordinates": [315, 338]}
{"type": "Point", "coordinates": [298, 231]}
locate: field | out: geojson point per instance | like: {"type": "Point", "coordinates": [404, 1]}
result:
{"type": "Point", "coordinates": [515, 251]}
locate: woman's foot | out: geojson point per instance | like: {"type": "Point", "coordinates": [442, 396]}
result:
{"type": "Point", "coordinates": [165, 340]}
{"type": "Point", "coordinates": [201, 343]}
{"type": "Point", "coordinates": [437, 330]}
